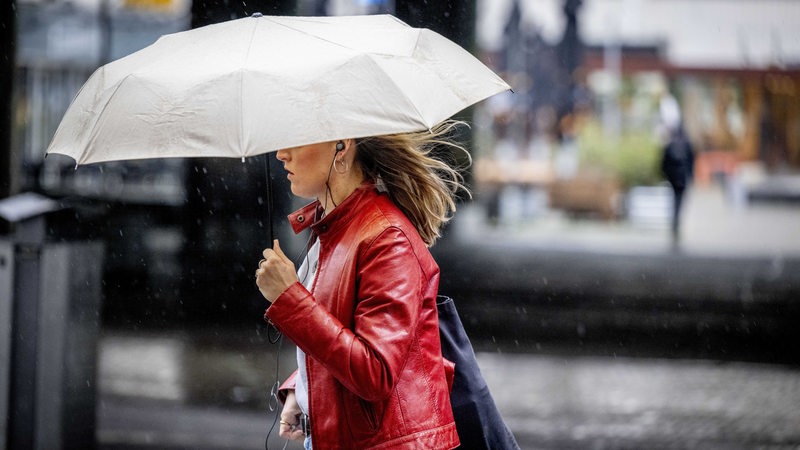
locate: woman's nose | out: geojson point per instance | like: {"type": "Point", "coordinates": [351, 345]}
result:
{"type": "Point", "coordinates": [282, 155]}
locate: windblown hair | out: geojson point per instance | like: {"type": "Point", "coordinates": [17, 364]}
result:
{"type": "Point", "coordinates": [413, 170]}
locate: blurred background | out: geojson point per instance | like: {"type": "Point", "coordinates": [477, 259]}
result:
{"type": "Point", "coordinates": [128, 315]}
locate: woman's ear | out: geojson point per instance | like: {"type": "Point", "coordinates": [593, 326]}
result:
{"type": "Point", "coordinates": [345, 146]}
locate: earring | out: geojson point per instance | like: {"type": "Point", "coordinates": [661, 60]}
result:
{"type": "Point", "coordinates": [340, 165]}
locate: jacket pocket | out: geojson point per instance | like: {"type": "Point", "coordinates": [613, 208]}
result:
{"type": "Point", "coordinates": [368, 412]}
{"type": "Point", "coordinates": [364, 418]}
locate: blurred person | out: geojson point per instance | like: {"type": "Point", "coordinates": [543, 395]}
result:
{"type": "Point", "coordinates": [670, 113]}
{"type": "Point", "coordinates": [677, 165]}
{"type": "Point", "coordinates": [362, 307]}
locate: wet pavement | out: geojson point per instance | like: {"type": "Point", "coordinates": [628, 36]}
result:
{"type": "Point", "coordinates": [169, 391]}
{"type": "Point", "coordinates": [207, 388]}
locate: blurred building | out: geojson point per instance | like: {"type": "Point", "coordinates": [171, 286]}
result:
{"type": "Point", "coordinates": [729, 72]}
{"type": "Point", "coordinates": [733, 67]}
{"type": "Point", "coordinates": [59, 45]}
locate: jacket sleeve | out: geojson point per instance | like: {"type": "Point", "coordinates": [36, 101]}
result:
{"type": "Point", "coordinates": [368, 358]}
{"type": "Point", "coordinates": [287, 386]}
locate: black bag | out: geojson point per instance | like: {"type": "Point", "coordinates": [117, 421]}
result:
{"type": "Point", "coordinates": [478, 421]}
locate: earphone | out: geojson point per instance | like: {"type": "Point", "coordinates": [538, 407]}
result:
{"type": "Point", "coordinates": [339, 146]}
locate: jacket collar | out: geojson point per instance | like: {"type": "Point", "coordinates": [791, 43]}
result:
{"type": "Point", "coordinates": [306, 216]}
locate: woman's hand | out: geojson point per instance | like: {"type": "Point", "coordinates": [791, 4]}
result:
{"type": "Point", "coordinates": [275, 272]}
{"type": "Point", "coordinates": [290, 419]}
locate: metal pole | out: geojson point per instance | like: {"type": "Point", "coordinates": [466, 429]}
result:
{"type": "Point", "coordinates": [25, 300]}
{"type": "Point", "coordinates": [8, 38]}
{"type": "Point", "coordinates": [6, 294]}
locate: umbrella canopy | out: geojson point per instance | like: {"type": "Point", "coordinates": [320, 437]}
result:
{"type": "Point", "coordinates": [258, 84]}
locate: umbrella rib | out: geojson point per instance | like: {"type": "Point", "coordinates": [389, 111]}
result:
{"type": "Point", "coordinates": [242, 150]}
{"type": "Point", "coordinates": [405, 95]}
{"type": "Point", "coordinates": [338, 44]}
{"type": "Point", "coordinates": [419, 113]}
{"type": "Point", "coordinates": [92, 132]}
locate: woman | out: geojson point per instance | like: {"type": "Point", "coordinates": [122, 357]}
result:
{"type": "Point", "coordinates": [362, 307]}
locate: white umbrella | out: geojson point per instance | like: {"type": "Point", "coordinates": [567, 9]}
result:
{"type": "Point", "coordinates": [262, 83]}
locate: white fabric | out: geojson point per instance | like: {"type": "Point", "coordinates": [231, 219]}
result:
{"type": "Point", "coordinates": [306, 275]}
{"type": "Point", "coordinates": [254, 85]}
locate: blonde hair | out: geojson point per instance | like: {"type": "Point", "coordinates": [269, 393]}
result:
{"type": "Point", "coordinates": [412, 168]}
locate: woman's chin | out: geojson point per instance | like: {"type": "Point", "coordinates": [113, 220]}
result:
{"type": "Point", "coordinates": [302, 194]}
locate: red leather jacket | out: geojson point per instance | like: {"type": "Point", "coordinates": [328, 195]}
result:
{"type": "Point", "coordinates": [369, 328]}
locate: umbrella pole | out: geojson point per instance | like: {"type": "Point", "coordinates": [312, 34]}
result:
{"type": "Point", "coordinates": [268, 172]}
